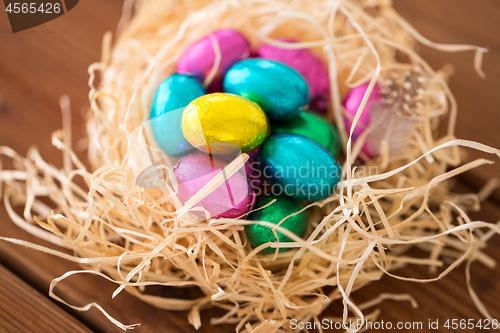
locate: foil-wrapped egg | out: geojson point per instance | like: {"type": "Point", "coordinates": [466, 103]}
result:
{"type": "Point", "coordinates": [279, 89]}
{"type": "Point", "coordinates": [231, 199]}
{"type": "Point", "coordinates": [310, 65]}
{"type": "Point", "coordinates": [352, 103]}
{"type": "Point", "coordinates": [275, 213]}
{"type": "Point", "coordinates": [174, 93]}
{"type": "Point", "coordinates": [199, 58]}
{"type": "Point", "coordinates": [299, 167]}
{"type": "Point", "coordinates": [314, 127]}
{"type": "Point", "coordinates": [224, 124]}
{"type": "Point", "coordinates": [253, 170]}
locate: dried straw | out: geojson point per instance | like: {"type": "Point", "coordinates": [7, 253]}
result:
{"type": "Point", "coordinates": [139, 237]}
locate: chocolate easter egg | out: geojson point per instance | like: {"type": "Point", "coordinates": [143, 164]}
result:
{"type": "Point", "coordinates": [231, 199]}
{"type": "Point", "coordinates": [199, 59]}
{"type": "Point", "coordinates": [279, 89]}
{"type": "Point", "coordinates": [275, 213]}
{"type": "Point", "coordinates": [223, 124]}
{"type": "Point", "coordinates": [385, 121]}
{"type": "Point", "coordinates": [252, 167]}
{"type": "Point", "coordinates": [174, 93]}
{"type": "Point", "coordinates": [299, 167]}
{"type": "Point", "coordinates": [352, 103]}
{"type": "Point", "coordinates": [310, 65]}
{"type": "Point", "coordinates": [312, 126]}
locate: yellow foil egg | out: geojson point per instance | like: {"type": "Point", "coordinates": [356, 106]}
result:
{"type": "Point", "coordinates": [224, 124]}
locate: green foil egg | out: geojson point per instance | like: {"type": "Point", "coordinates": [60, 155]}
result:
{"type": "Point", "coordinates": [274, 213]}
{"type": "Point", "coordinates": [314, 127]}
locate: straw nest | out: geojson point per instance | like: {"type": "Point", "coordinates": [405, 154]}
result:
{"type": "Point", "coordinates": [140, 237]}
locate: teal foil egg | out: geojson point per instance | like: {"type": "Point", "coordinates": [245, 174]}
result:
{"type": "Point", "coordinates": [312, 126]}
{"type": "Point", "coordinates": [172, 95]}
{"type": "Point", "coordinates": [279, 89]}
{"type": "Point", "coordinates": [274, 213]}
{"type": "Point", "coordinates": [299, 167]}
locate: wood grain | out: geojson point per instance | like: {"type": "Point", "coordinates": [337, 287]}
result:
{"type": "Point", "coordinates": [23, 309]}
{"type": "Point", "coordinates": [41, 64]}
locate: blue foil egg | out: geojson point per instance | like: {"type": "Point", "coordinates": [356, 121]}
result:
{"type": "Point", "coordinates": [299, 167]}
{"type": "Point", "coordinates": [173, 94]}
{"type": "Point", "coordinates": [279, 89]}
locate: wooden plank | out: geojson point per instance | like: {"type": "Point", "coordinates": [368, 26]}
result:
{"type": "Point", "coordinates": [42, 64]}
{"type": "Point", "coordinates": [23, 309]}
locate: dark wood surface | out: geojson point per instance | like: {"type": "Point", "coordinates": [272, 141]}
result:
{"type": "Point", "coordinates": [39, 65]}
{"type": "Point", "coordinates": [23, 309]}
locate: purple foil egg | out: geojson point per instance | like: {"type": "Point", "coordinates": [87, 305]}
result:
{"type": "Point", "coordinates": [253, 169]}
{"type": "Point", "coordinates": [199, 58]}
{"type": "Point", "coordinates": [312, 68]}
{"type": "Point", "coordinates": [230, 200]}
{"type": "Point", "coordinates": [352, 103]}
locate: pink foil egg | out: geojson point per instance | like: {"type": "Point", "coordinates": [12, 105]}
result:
{"type": "Point", "coordinates": [312, 68]}
{"type": "Point", "coordinates": [252, 169]}
{"type": "Point", "coordinates": [199, 58]}
{"type": "Point", "coordinates": [352, 103]}
{"type": "Point", "coordinates": [230, 200]}
{"type": "Point", "coordinates": [386, 123]}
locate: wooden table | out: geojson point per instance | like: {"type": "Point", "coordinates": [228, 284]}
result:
{"type": "Point", "coordinates": [37, 66]}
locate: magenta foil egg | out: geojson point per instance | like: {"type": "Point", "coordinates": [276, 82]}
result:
{"type": "Point", "coordinates": [230, 200]}
{"type": "Point", "coordinates": [352, 103]}
{"type": "Point", "coordinates": [199, 58]}
{"type": "Point", "coordinates": [311, 66]}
